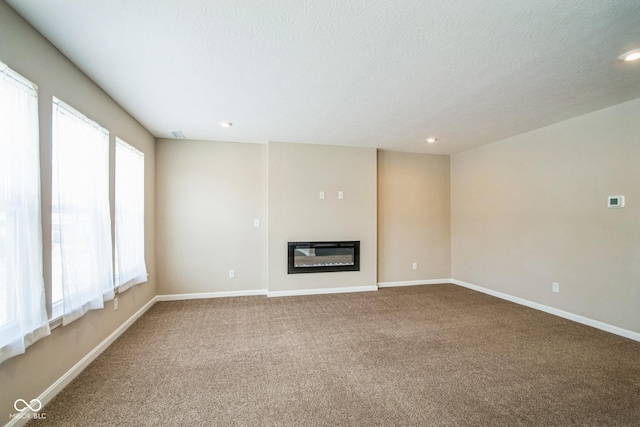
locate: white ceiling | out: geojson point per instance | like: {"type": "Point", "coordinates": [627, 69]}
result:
{"type": "Point", "coordinates": [373, 73]}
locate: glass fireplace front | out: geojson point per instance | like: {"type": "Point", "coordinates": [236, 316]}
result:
{"type": "Point", "coordinates": [321, 257]}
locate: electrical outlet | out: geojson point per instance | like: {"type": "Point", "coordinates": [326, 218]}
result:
{"type": "Point", "coordinates": [555, 287]}
{"type": "Point", "coordinates": [415, 265]}
{"type": "Point", "coordinates": [340, 195]}
{"type": "Point", "coordinates": [115, 304]}
{"type": "Point", "coordinates": [232, 274]}
{"type": "Point", "coordinates": [322, 194]}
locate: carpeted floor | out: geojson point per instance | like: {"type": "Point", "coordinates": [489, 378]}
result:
{"type": "Point", "coordinates": [437, 355]}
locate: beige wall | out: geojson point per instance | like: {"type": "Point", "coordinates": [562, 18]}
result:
{"type": "Point", "coordinates": [209, 194]}
{"type": "Point", "coordinates": [531, 210]}
{"type": "Point", "coordinates": [413, 217]}
{"type": "Point", "coordinates": [23, 49]}
{"type": "Point", "coordinates": [297, 174]}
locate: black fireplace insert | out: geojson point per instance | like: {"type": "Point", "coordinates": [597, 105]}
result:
{"type": "Point", "coordinates": [322, 257]}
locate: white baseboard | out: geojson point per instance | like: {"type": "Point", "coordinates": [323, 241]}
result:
{"type": "Point", "coordinates": [561, 313]}
{"type": "Point", "coordinates": [65, 379]}
{"type": "Point", "coordinates": [413, 283]}
{"type": "Point", "coordinates": [205, 295]}
{"type": "Point", "coordinates": [298, 292]}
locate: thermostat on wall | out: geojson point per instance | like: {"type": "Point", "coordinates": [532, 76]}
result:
{"type": "Point", "coordinates": [615, 202]}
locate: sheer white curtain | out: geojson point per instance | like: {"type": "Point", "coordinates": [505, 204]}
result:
{"type": "Point", "coordinates": [23, 314]}
{"type": "Point", "coordinates": [81, 213]}
{"type": "Point", "coordinates": [130, 266]}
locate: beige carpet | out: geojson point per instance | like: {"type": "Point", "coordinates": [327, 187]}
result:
{"type": "Point", "coordinates": [437, 355]}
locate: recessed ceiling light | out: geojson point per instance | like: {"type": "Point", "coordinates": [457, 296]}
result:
{"type": "Point", "coordinates": [431, 140]}
{"type": "Point", "coordinates": [632, 55]}
{"type": "Point", "coordinates": [226, 124]}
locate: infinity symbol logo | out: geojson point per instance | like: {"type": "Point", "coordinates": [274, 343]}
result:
{"type": "Point", "coordinates": [35, 405]}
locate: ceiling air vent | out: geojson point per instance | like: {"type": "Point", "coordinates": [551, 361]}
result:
{"type": "Point", "coordinates": [178, 134]}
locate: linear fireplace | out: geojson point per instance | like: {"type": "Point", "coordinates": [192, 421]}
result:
{"type": "Point", "coordinates": [321, 257]}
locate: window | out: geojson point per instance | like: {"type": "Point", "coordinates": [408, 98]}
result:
{"type": "Point", "coordinates": [130, 266]}
{"type": "Point", "coordinates": [81, 223]}
{"type": "Point", "coordinates": [23, 315]}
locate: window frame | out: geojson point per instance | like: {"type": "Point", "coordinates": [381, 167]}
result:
{"type": "Point", "coordinates": [24, 320]}
{"type": "Point", "coordinates": [57, 314]}
{"type": "Point", "coordinates": [142, 275]}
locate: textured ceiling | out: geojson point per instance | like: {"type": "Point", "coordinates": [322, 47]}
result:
{"type": "Point", "coordinates": [362, 72]}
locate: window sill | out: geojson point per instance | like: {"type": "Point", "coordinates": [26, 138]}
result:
{"type": "Point", "coordinates": [56, 315]}
{"type": "Point", "coordinates": [56, 319]}
{"type": "Point", "coordinates": [54, 323]}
